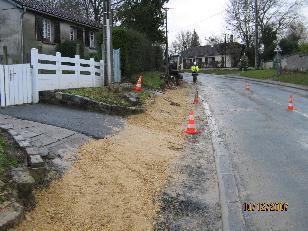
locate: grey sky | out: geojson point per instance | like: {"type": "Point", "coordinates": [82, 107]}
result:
{"type": "Point", "coordinates": [206, 16]}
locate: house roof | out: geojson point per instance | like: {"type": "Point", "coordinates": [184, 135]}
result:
{"type": "Point", "coordinates": [67, 15]}
{"type": "Point", "coordinates": [200, 51]}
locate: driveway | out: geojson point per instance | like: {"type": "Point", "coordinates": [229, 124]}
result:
{"type": "Point", "coordinates": [267, 145]}
{"type": "Point", "coordinates": [92, 124]}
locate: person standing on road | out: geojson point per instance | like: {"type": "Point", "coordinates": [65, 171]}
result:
{"type": "Point", "coordinates": [194, 70]}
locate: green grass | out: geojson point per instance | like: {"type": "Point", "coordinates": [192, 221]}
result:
{"type": "Point", "coordinates": [287, 77]}
{"type": "Point", "coordinates": [151, 80]}
{"type": "Point", "coordinates": [295, 78]}
{"type": "Point", "coordinates": [5, 160]}
{"type": "Point", "coordinates": [259, 74]}
{"type": "Point", "coordinates": [102, 94]}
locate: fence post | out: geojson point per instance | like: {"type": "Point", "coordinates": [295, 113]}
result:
{"type": "Point", "coordinates": [77, 69]}
{"type": "Point", "coordinates": [102, 71]}
{"type": "Point", "coordinates": [34, 64]}
{"type": "Point", "coordinates": [92, 67]}
{"type": "Point", "coordinates": [5, 56]}
{"type": "Point", "coordinates": [58, 71]}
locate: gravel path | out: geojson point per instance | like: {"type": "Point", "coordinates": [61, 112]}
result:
{"type": "Point", "coordinates": [113, 183]}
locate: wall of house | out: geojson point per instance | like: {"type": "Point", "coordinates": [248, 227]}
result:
{"type": "Point", "coordinates": [10, 31]}
{"type": "Point", "coordinates": [31, 42]}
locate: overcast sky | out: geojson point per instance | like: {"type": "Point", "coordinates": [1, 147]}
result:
{"type": "Point", "coordinates": [206, 16]}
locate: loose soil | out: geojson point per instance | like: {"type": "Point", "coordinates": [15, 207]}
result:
{"type": "Point", "coordinates": [114, 183]}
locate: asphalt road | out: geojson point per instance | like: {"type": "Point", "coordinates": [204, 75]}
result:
{"type": "Point", "coordinates": [268, 147]}
{"type": "Point", "coordinates": [92, 124]}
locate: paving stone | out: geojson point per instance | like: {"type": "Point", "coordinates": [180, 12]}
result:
{"type": "Point", "coordinates": [36, 161]}
{"type": "Point", "coordinates": [24, 144]}
{"type": "Point", "coordinates": [28, 134]}
{"type": "Point", "coordinates": [12, 132]}
{"type": "Point", "coordinates": [7, 126]}
{"type": "Point", "coordinates": [60, 164]}
{"type": "Point", "coordinates": [19, 138]}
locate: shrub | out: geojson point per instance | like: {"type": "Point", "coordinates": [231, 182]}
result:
{"type": "Point", "coordinates": [68, 48]}
{"type": "Point", "coordinates": [137, 52]}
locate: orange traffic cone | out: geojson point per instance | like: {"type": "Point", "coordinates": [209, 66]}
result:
{"type": "Point", "coordinates": [191, 127]}
{"type": "Point", "coordinates": [196, 100]}
{"type": "Point", "coordinates": [247, 87]}
{"type": "Point", "coordinates": [138, 85]}
{"type": "Point", "coordinates": [291, 106]}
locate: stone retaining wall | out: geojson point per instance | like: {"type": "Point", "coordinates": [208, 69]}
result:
{"type": "Point", "coordinates": [57, 97]}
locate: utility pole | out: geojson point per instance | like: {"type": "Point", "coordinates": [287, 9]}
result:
{"type": "Point", "coordinates": [167, 45]}
{"type": "Point", "coordinates": [107, 49]}
{"type": "Point", "coordinates": [256, 36]}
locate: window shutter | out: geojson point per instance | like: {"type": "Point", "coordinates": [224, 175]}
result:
{"type": "Point", "coordinates": [80, 34]}
{"type": "Point", "coordinates": [39, 27]}
{"type": "Point", "coordinates": [87, 38]}
{"type": "Point", "coordinates": [57, 32]}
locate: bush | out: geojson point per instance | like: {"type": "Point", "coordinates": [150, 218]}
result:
{"type": "Point", "coordinates": [68, 48]}
{"type": "Point", "coordinates": [137, 52]}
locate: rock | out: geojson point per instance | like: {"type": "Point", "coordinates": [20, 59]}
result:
{"type": "Point", "coordinates": [32, 151]}
{"type": "Point", "coordinates": [23, 181]}
{"type": "Point", "coordinates": [132, 97]}
{"type": "Point", "coordinates": [24, 144]}
{"type": "Point", "coordinates": [10, 216]}
{"type": "Point", "coordinates": [2, 185]}
{"type": "Point", "coordinates": [58, 95]}
{"type": "Point", "coordinates": [38, 174]}
{"type": "Point", "coordinates": [19, 138]}
{"type": "Point", "coordinates": [36, 161]}
{"type": "Point", "coordinates": [12, 132]}
{"type": "Point", "coordinates": [60, 164]}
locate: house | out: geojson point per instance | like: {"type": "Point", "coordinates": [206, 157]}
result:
{"type": "Point", "coordinates": [26, 24]}
{"type": "Point", "coordinates": [212, 56]}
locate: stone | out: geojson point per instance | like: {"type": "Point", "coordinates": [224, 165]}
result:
{"type": "Point", "coordinates": [24, 144]}
{"type": "Point", "coordinates": [23, 181]}
{"type": "Point", "coordinates": [7, 126]}
{"type": "Point", "coordinates": [19, 138]}
{"type": "Point", "coordinates": [61, 165]}
{"type": "Point", "coordinates": [11, 215]}
{"type": "Point", "coordinates": [36, 161]}
{"type": "Point", "coordinates": [2, 185]}
{"type": "Point", "coordinates": [32, 151]}
{"type": "Point", "coordinates": [132, 97]}
{"type": "Point", "coordinates": [38, 174]}
{"type": "Point", "coordinates": [58, 95]}
{"type": "Point", "coordinates": [12, 132]}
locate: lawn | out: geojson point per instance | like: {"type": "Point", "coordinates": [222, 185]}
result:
{"type": "Point", "coordinates": [5, 160]}
{"type": "Point", "coordinates": [151, 80]}
{"type": "Point", "coordinates": [287, 77]}
{"type": "Point", "coordinates": [104, 95]}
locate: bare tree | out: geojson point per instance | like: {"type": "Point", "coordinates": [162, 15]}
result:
{"type": "Point", "coordinates": [278, 14]}
{"type": "Point", "coordinates": [182, 42]}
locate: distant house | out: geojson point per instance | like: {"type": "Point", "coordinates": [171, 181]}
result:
{"type": "Point", "coordinates": [219, 55]}
{"type": "Point", "coordinates": [26, 24]}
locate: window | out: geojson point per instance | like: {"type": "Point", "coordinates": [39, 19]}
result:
{"type": "Point", "coordinates": [47, 29]}
{"type": "Point", "coordinates": [92, 42]}
{"type": "Point", "coordinates": [73, 33]}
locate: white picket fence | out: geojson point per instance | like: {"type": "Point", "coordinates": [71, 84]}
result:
{"type": "Point", "coordinates": [56, 72]}
{"type": "Point", "coordinates": [15, 84]}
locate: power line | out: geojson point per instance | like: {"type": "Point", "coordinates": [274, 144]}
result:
{"type": "Point", "coordinates": [200, 21]}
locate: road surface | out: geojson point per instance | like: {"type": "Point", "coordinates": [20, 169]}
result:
{"type": "Point", "coordinates": [267, 145]}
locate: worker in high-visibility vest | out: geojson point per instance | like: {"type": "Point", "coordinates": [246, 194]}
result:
{"type": "Point", "coordinates": [194, 70]}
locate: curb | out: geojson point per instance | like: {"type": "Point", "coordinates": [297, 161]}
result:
{"type": "Point", "coordinates": [232, 216]}
{"type": "Point", "coordinates": [282, 84]}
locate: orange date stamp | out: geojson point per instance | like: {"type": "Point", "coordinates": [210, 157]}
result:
{"type": "Point", "coordinates": [266, 207]}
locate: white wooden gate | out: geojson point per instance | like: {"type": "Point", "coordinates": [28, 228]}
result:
{"type": "Point", "coordinates": [15, 84]}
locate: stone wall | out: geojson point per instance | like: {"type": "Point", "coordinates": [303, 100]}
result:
{"type": "Point", "coordinates": [298, 62]}
{"type": "Point", "coordinates": [56, 97]}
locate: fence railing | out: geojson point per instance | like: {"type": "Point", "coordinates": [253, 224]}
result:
{"type": "Point", "coordinates": [56, 72]}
